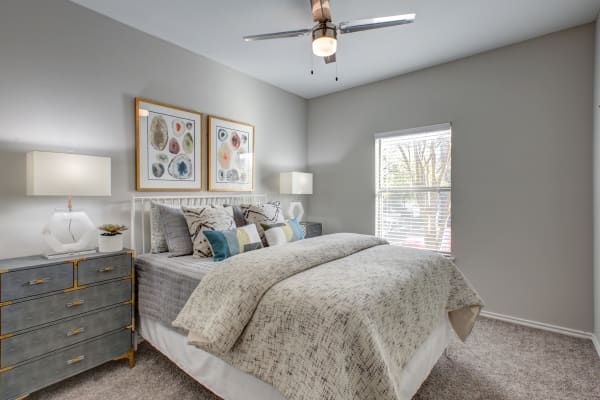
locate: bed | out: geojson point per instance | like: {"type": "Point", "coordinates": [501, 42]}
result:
{"type": "Point", "coordinates": [175, 290]}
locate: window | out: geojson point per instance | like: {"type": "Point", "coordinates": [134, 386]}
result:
{"type": "Point", "coordinates": [413, 187]}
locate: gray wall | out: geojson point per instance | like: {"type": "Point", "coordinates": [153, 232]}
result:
{"type": "Point", "coordinates": [522, 167]}
{"type": "Point", "coordinates": [68, 81]}
{"type": "Point", "coordinates": [596, 107]}
{"type": "Point", "coordinates": [522, 142]}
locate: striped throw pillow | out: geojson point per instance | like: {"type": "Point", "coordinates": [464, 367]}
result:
{"type": "Point", "coordinates": [228, 243]}
{"type": "Point", "coordinates": [283, 232]}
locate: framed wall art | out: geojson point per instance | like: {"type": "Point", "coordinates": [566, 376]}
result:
{"type": "Point", "coordinates": [168, 142]}
{"type": "Point", "coordinates": [230, 155]}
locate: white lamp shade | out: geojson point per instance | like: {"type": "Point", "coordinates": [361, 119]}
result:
{"type": "Point", "coordinates": [61, 174]}
{"type": "Point", "coordinates": [295, 183]}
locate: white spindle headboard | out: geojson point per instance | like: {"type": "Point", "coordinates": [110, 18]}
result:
{"type": "Point", "coordinates": [140, 211]}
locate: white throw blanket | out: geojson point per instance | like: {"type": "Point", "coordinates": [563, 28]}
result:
{"type": "Point", "coordinates": [334, 317]}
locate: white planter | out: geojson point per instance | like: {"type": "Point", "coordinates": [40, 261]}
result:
{"type": "Point", "coordinates": [108, 244]}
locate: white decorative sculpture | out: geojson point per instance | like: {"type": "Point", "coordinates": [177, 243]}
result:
{"type": "Point", "coordinates": [70, 231]}
{"type": "Point", "coordinates": [295, 210]}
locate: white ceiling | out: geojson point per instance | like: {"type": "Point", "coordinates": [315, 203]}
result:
{"type": "Point", "coordinates": [444, 31]}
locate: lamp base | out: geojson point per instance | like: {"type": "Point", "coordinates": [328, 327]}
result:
{"type": "Point", "coordinates": [295, 211]}
{"type": "Point", "coordinates": [70, 232]}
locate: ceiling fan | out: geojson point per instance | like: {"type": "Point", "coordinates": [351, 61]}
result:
{"type": "Point", "coordinates": [324, 33]}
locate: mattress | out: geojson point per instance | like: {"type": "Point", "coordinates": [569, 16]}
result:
{"type": "Point", "coordinates": [165, 283]}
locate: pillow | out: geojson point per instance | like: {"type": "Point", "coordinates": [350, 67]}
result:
{"type": "Point", "coordinates": [269, 213]}
{"type": "Point", "coordinates": [158, 242]}
{"type": "Point", "coordinates": [175, 230]}
{"type": "Point", "coordinates": [283, 232]}
{"type": "Point", "coordinates": [238, 215]}
{"type": "Point", "coordinates": [263, 212]}
{"type": "Point", "coordinates": [225, 244]}
{"type": "Point", "coordinates": [206, 219]}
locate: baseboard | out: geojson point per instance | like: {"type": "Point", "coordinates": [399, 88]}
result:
{"type": "Point", "coordinates": [596, 343]}
{"type": "Point", "coordinates": [540, 325]}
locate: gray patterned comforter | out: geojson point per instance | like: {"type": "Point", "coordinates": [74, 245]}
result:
{"type": "Point", "coordinates": [335, 317]}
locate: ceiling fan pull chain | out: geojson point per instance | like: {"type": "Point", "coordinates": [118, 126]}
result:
{"type": "Point", "coordinates": [336, 71]}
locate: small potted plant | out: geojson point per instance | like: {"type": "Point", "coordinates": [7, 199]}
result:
{"type": "Point", "coordinates": [111, 238]}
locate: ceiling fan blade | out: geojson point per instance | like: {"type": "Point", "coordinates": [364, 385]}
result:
{"type": "Point", "coordinates": [321, 11]}
{"type": "Point", "coordinates": [278, 35]}
{"type": "Point", "coordinates": [375, 23]}
{"type": "Point", "coordinates": [329, 59]}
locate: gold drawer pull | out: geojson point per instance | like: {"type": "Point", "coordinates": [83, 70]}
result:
{"type": "Point", "coordinates": [75, 360]}
{"type": "Point", "coordinates": [38, 281]}
{"type": "Point", "coordinates": [75, 303]}
{"type": "Point", "coordinates": [106, 269]}
{"type": "Point", "coordinates": [76, 331]}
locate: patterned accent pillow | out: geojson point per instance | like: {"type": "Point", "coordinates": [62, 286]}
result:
{"type": "Point", "coordinates": [176, 231]}
{"type": "Point", "coordinates": [283, 232]}
{"type": "Point", "coordinates": [158, 241]}
{"type": "Point", "coordinates": [225, 244]}
{"type": "Point", "coordinates": [206, 219]}
{"type": "Point", "coordinates": [238, 215]}
{"type": "Point", "coordinates": [268, 213]}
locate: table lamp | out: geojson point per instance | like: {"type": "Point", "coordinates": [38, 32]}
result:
{"type": "Point", "coordinates": [295, 183]}
{"type": "Point", "coordinates": [69, 231]}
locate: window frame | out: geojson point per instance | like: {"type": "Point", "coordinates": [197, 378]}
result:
{"type": "Point", "coordinates": [414, 131]}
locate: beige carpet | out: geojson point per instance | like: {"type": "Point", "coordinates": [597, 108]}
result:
{"type": "Point", "coordinates": [500, 361]}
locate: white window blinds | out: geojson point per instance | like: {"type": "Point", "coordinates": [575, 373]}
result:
{"type": "Point", "coordinates": [413, 187]}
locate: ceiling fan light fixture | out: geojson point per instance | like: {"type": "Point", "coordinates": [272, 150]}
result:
{"type": "Point", "coordinates": [324, 33]}
{"type": "Point", "coordinates": [324, 46]}
{"type": "Point", "coordinates": [324, 37]}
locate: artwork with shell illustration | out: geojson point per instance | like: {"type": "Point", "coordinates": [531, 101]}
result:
{"type": "Point", "coordinates": [168, 147]}
{"type": "Point", "coordinates": [230, 155]}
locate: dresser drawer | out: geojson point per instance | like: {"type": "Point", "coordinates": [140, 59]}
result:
{"type": "Point", "coordinates": [63, 364]}
{"type": "Point", "coordinates": [34, 281]}
{"type": "Point", "coordinates": [104, 268]}
{"type": "Point", "coordinates": [27, 314]}
{"type": "Point", "coordinates": [19, 348]}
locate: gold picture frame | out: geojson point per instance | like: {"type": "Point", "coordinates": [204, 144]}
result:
{"type": "Point", "coordinates": [231, 156]}
{"type": "Point", "coordinates": [168, 147]}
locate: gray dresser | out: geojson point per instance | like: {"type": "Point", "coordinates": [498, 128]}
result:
{"type": "Point", "coordinates": [61, 317]}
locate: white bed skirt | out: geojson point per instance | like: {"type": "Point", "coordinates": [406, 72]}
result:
{"type": "Point", "coordinates": [233, 384]}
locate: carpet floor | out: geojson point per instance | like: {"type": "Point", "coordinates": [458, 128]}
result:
{"type": "Point", "coordinates": [500, 361]}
